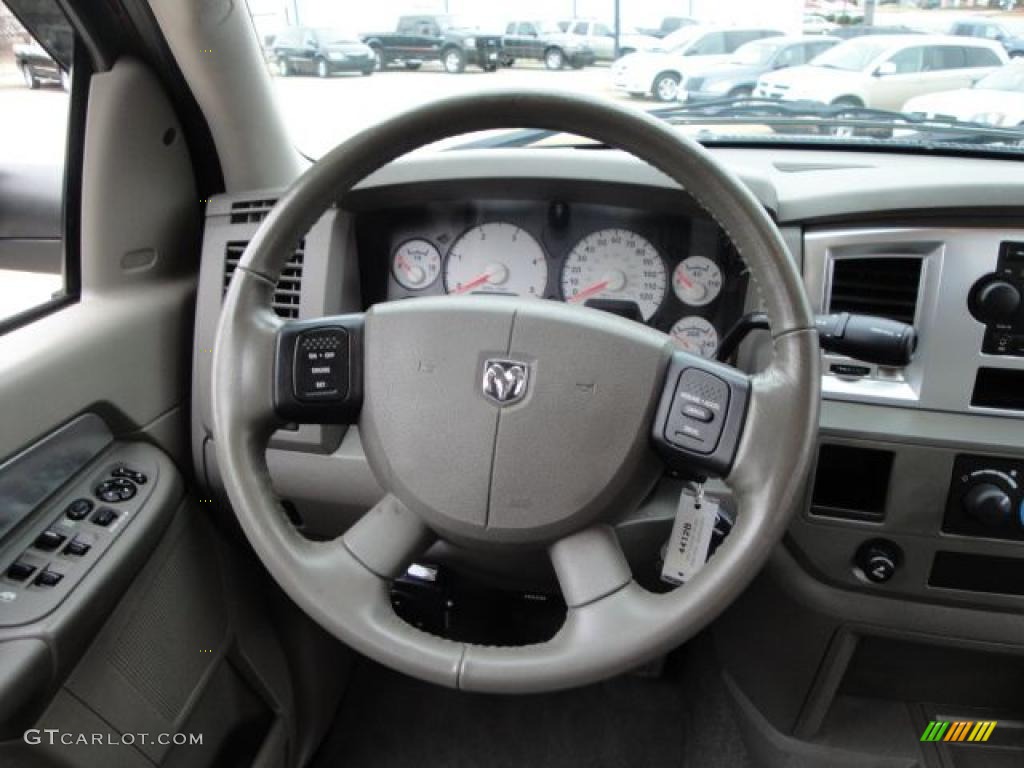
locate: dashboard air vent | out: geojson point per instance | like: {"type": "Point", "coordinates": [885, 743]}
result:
{"type": "Point", "coordinates": [289, 287]}
{"type": "Point", "coordinates": [250, 211]}
{"type": "Point", "coordinates": [886, 286]}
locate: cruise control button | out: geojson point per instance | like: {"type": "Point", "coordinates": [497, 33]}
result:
{"type": "Point", "coordinates": [698, 412]}
{"type": "Point", "coordinates": [48, 578]}
{"type": "Point", "coordinates": [19, 571]}
{"type": "Point", "coordinates": [104, 516]}
{"type": "Point", "coordinates": [78, 509]}
{"type": "Point", "coordinates": [49, 540]}
{"type": "Point", "coordinates": [113, 491]}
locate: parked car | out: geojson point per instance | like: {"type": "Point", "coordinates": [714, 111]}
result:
{"type": "Point", "coordinates": [600, 38]}
{"type": "Point", "coordinates": [815, 24]}
{"type": "Point", "coordinates": [660, 73]}
{"type": "Point", "coordinates": [544, 41]}
{"type": "Point", "coordinates": [849, 32]}
{"type": "Point", "coordinates": [453, 42]}
{"type": "Point", "coordinates": [37, 67]}
{"type": "Point", "coordinates": [885, 71]}
{"type": "Point", "coordinates": [668, 25]}
{"type": "Point", "coordinates": [1009, 33]}
{"type": "Point", "coordinates": [996, 99]}
{"type": "Point", "coordinates": [319, 51]}
{"type": "Point", "coordinates": [737, 76]}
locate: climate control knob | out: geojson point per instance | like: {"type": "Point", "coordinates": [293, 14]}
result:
{"type": "Point", "coordinates": [995, 301]}
{"type": "Point", "coordinates": [988, 504]}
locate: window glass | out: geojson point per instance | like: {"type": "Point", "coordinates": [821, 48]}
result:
{"type": "Point", "coordinates": [580, 28]}
{"type": "Point", "coordinates": [853, 55]}
{"type": "Point", "coordinates": [981, 57]}
{"type": "Point", "coordinates": [909, 60]}
{"type": "Point", "coordinates": [710, 44]}
{"type": "Point", "coordinates": [790, 56]}
{"type": "Point", "coordinates": [34, 106]}
{"type": "Point", "coordinates": [602, 30]}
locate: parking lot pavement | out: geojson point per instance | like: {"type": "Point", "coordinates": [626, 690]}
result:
{"type": "Point", "coordinates": [322, 113]}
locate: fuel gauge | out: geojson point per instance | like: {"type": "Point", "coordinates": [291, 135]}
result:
{"type": "Point", "coordinates": [416, 264]}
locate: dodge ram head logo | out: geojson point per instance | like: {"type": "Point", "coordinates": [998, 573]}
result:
{"type": "Point", "coordinates": [505, 381]}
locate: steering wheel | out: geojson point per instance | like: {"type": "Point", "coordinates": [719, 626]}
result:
{"type": "Point", "coordinates": [513, 423]}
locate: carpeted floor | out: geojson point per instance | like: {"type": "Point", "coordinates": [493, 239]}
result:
{"type": "Point", "coordinates": [681, 720]}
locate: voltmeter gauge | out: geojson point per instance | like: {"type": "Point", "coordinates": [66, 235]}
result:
{"type": "Point", "coordinates": [697, 281]}
{"type": "Point", "coordinates": [416, 264]}
{"type": "Point", "coordinates": [695, 335]}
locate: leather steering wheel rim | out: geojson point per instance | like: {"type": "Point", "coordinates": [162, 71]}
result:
{"type": "Point", "coordinates": [612, 624]}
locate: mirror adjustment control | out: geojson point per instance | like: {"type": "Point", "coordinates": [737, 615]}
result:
{"type": "Point", "coordinates": [115, 490]}
{"type": "Point", "coordinates": [78, 509]}
{"type": "Point", "coordinates": [136, 477]}
{"type": "Point", "coordinates": [49, 540]}
{"type": "Point", "coordinates": [877, 561]}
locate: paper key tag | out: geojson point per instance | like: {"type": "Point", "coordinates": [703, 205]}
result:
{"type": "Point", "coordinates": [688, 546]}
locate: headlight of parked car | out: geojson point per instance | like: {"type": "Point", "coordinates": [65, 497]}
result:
{"type": "Point", "coordinates": [470, 42]}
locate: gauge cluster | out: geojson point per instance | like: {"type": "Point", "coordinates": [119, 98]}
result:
{"type": "Point", "coordinates": [672, 271]}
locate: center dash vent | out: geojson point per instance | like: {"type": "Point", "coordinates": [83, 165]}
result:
{"type": "Point", "coordinates": [886, 286]}
{"type": "Point", "coordinates": [250, 211]}
{"type": "Point", "coordinates": [289, 286]}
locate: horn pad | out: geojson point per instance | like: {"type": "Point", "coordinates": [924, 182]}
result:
{"type": "Point", "coordinates": [510, 420]}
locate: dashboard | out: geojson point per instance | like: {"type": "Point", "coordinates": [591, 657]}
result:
{"type": "Point", "coordinates": [673, 272]}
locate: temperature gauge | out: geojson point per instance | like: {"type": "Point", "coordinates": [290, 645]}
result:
{"type": "Point", "coordinates": [697, 281]}
{"type": "Point", "coordinates": [695, 335]}
{"type": "Point", "coordinates": [416, 264]}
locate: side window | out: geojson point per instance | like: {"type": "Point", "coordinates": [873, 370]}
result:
{"type": "Point", "coordinates": [602, 31]}
{"type": "Point", "coordinates": [991, 32]}
{"type": "Point", "coordinates": [790, 56]}
{"type": "Point", "coordinates": [581, 28]}
{"type": "Point", "coordinates": [981, 57]}
{"type": "Point", "coordinates": [710, 44]}
{"type": "Point", "coordinates": [909, 60]}
{"type": "Point", "coordinates": [35, 102]}
{"type": "Point", "coordinates": [945, 57]}
{"type": "Point", "coordinates": [511, 29]}
{"type": "Point", "coordinates": [527, 29]}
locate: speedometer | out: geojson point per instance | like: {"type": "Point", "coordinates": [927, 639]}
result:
{"type": "Point", "coordinates": [616, 264]}
{"type": "Point", "coordinates": [497, 258]}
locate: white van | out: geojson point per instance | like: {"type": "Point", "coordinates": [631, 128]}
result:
{"type": "Point", "coordinates": [884, 71]}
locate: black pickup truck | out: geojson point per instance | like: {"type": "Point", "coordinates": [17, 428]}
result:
{"type": "Point", "coordinates": [435, 37]}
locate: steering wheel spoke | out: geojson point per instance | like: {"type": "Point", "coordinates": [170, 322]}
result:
{"type": "Point", "coordinates": [701, 415]}
{"type": "Point", "coordinates": [318, 370]}
{"type": "Point", "coordinates": [388, 538]}
{"type": "Point", "coordinates": [590, 565]}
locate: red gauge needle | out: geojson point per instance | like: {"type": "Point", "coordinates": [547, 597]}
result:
{"type": "Point", "coordinates": [685, 280]}
{"type": "Point", "coordinates": [593, 290]}
{"type": "Point", "coordinates": [474, 283]}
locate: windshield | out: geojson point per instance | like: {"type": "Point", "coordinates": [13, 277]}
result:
{"type": "Point", "coordinates": [418, 53]}
{"type": "Point", "coordinates": [756, 53]}
{"type": "Point", "coordinates": [853, 55]}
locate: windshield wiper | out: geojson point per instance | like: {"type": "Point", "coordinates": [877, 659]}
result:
{"type": "Point", "coordinates": [833, 118]}
{"type": "Point", "coordinates": [791, 118]}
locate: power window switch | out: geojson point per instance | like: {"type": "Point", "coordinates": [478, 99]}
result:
{"type": "Point", "coordinates": [49, 540]}
{"type": "Point", "coordinates": [48, 578]}
{"type": "Point", "coordinates": [19, 570]}
{"type": "Point", "coordinates": [104, 516]}
{"type": "Point", "coordinates": [77, 547]}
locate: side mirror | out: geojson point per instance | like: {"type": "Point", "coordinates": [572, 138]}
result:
{"type": "Point", "coordinates": [885, 69]}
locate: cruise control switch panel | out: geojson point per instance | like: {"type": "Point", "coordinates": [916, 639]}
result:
{"type": "Point", "coordinates": [319, 376]}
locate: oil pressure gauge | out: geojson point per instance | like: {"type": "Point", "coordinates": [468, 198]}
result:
{"type": "Point", "coordinates": [416, 264]}
{"type": "Point", "coordinates": [697, 281]}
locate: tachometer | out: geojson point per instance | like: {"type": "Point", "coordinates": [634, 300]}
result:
{"type": "Point", "coordinates": [497, 257]}
{"type": "Point", "coordinates": [697, 281]}
{"type": "Point", "coordinates": [616, 264]}
{"type": "Point", "coordinates": [416, 264]}
{"type": "Point", "coordinates": [696, 335]}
